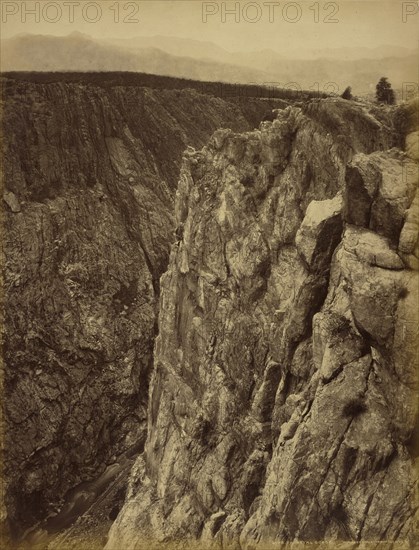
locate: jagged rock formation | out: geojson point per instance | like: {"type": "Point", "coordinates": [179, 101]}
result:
{"type": "Point", "coordinates": [282, 404]}
{"type": "Point", "coordinates": [90, 176]}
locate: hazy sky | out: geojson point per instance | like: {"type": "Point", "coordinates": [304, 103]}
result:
{"type": "Point", "coordinates": [287, 27]}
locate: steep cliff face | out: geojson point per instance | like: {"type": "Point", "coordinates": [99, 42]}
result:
{"type": "Point", "coordinates": [282, 402]}
{"type": "Point", "coordinates": [90, 176]}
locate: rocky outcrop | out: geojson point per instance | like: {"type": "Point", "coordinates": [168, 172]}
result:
{"type": "Point", "coordinates": [90, 175]}
{"type": "Point", "coordinates": [282, 402]}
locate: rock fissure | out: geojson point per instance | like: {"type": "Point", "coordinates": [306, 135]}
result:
{"type": "Point", "coordinates": [89, 190]}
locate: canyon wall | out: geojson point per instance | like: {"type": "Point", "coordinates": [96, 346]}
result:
{"type": "Point", "coordinates": [283, 396]}
{"type": "Point", "coordinates": [90, 175]}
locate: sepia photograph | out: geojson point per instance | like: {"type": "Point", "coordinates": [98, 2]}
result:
{"type": "Point", "coordinates": [209, 275]}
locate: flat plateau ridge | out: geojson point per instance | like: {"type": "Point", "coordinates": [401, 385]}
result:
{"type": "Point", "coordinates": [247, 330]}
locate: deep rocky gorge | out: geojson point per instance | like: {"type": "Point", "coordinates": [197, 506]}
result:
{"type": "Point", "coordinates": [90, 175]}
{"type": "Point", "coordinates": [279, 401]}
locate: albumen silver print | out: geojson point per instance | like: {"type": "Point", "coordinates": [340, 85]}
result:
{"type": "Point", "coordinates": [210, 286]}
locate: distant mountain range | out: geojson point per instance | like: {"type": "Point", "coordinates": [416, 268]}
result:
{"type": "Point", "coordinates": [200, 49]}
{"type": "Point", "coordinates": [327, 70]}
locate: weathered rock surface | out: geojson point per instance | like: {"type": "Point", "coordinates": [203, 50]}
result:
{"type": "Point", "coordinates": [283, 396]}
{"type": "Point", "coordinates": [90, 176]}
